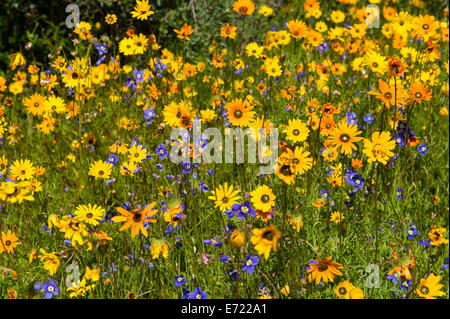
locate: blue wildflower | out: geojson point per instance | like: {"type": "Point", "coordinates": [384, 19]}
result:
{"type": "Point", "coordinates": [180, 280]}
{"type": "Point", "coordinates": [250, 263]}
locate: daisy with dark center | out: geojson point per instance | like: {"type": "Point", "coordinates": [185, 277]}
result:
{"type": "Point", "coordinates": [126, 46]}
{"type": "Point", "coordinates": [239, 114]}
{"type": "Point", "coordinates": [312, 106]}
{"type": "Point", "coordinates": [328, 109]}
{"type": "Point", "coordinates": [8, 242]}
{"type": "Point", "coordinates": [136, 219]}
{"type": "Point", "coordinates": [301, 162]}
{"type": "Point", "coordinates": [35, 104]}
{"type": "Point", "coordinates": [73, 228]}
{"type": "Point", "coordinates": [430, 288]}
{"type": "Point", "coordinates": [173, 112]}
{"type": "Point", "coordinates": [375, 61]}
{"type": "Point", "coordinates": [217, 60]}
{"type": "Point", "coordinates": [396, 67]}
{"type": "Point", "coordinates": [379, 148]}
{"type": "Point", "coordinates": [55, 104]}
{"type": "Point", "coordinates": [419, 92]}
{"type": "Point", "coordinates": [137, 153]}
{"type": "Point", "coordinates": [323, 269]}
{"type": "Point", "coordinates": [253, 49]}
{"type": "Point", "coordinates": [284, 170]}
{"type": "Point", "coordinates": [336, 217]}
{"type": "Point", "coordinates": [59, 63]}
{"type": "Point", "coordinates": [83, 29]}
{"type": "Point", "coordinates": [330, 154]}
{"type": "Point", "coordinates": [228, 31]}
{"type": "Point", "coordinates": [297, 28]}
{"type": "Point", "coordinates": [111, 18]}
{"type": "Point", "coordinates": [90, 214]}
{"type": "Point", "coordinates": [50, 260]}
{"type": "Point", "coordinates": [403, 21]}
{"type": "Point", "coordinates": [265, 239]}
{"type": "Point", "coordinates": [100, 169]}
{"type": "Point", "coordinates": [23, 169]}
{"type": "Point", "coordinates": [140, 43]}
{"type": "Point", "coordinates": [436, 236]}
{"type": "Point", "coordinates": [343, 289]}
{"type": "Point", "coordinates": [296, 131]}
{"type": "Point", "coordinates": [425, 26]}
{"type": "Point", "coordinates": [224, 197]}
{"type": "Point", "coordinates": [389, 96]}
{"type": "Point", "coordinates": [344, 137]}
{"type": "Point", "coordinates": [327, 125]}
{"type": "Point", "coordinates": [263, 198]}
{"type": "Point", "coordinates": [245, 7]}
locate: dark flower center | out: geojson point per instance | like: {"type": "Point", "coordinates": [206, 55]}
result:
{"type": "Point", "coordinates": [238, 114]}
{"type": "Point", "coordinates": [265, 198]}
{"type": "Point", "coordinates": [186, 121]}
{"type": "Point", "coordinates": [285, 170]}
{"type": "Point", "coordinates": [137, 217]}
{"type": "Point", "coordinates": [268, 234]}
{"type": "Point", "coordinates": [424, 290]}
{"type": "Point", "coordinates": [323, 267]}
{"type": "Point", "coordinates": [243, 10]}
{"type": "Point", "coordinates": [344, 138]}
{"type": "Point", "coordinates": [342, 291]}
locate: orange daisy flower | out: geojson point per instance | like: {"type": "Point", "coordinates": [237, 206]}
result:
{"type": "Point", "coordinates": [323, 269]}
{"type": "Point", "coordinates": [419, 92]}
{"type": "Point", "coordinates": [135, 219]}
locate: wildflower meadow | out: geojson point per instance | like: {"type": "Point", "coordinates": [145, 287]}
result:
{"type": "Point", "coordinates": [212, 149]}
